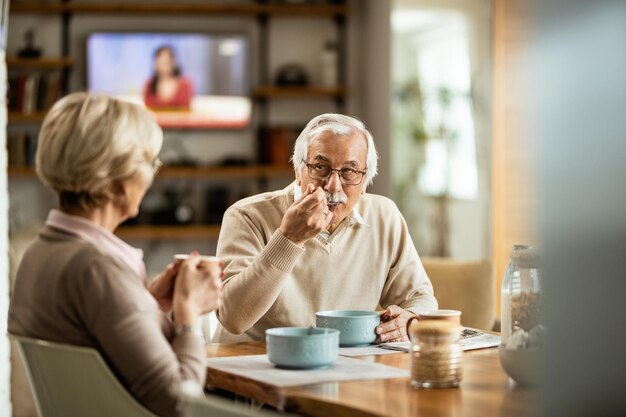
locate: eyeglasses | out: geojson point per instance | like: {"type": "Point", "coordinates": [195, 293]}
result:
{"type": "Point", "coordinates": [322, 172]}
{"type": "Point", "coordinates": [156, 165]}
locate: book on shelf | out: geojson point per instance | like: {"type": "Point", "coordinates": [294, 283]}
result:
{"type": "Point", "coordinates": [276, 145]}
{"type": "Point", "coordinates": [21, 148]}
{"type": "Point", "coordinates": [33, 92]}
{"type": "Point", "coordinates": [30, 93]}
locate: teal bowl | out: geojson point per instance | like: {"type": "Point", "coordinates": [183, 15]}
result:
{"type": "Point", "coordinates": [357, 327]}
{"type": "Point", "coordinates": [302, 347]}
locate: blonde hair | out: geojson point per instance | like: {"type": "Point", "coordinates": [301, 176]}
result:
{"type": "Point", "coordinates": [89, 143]}
{"type": "Point", "coordinates": [339, 125]}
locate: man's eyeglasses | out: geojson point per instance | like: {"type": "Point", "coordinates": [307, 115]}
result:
{"type": "Point", "coordinates": [156, 165]}
{"type": "Point", "coordinates": [347, 176]}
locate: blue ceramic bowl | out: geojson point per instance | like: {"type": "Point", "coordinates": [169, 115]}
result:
{"type": "Point", "coordinates": [357, 327]}
{"type": "Point", "coordinates": [302, 347]}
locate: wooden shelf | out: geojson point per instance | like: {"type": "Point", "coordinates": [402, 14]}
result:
{"type": "Point", "coordinates": [298, 92]}
{"type": "Point", "coordinates": [252, 171]}
{"type": "Point", "coordinates": [39, 7]}
{"type": "Point", "coordinates": [17, 117]}
{"type": "Point", "coordinates": [306, 10]}
{"type": "Point", "coordinates": [189, 8]}
{"type": "Point", "coordinates": [22, 172]}
{"type": "Point", "coordinates": [168, 232]}
{"type": "Point", "coordinates": [42, 63]}
{"type": "Point", "coordinates": [164, 8]}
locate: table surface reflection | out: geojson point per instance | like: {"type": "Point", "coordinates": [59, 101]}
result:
{"type": "Point", "coordinates": [485, 390]}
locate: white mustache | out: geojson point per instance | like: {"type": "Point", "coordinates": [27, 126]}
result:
{"type": "Point", "coordinates": [336, 198]}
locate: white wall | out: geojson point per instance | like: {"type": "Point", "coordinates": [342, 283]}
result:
{"type": "Point", "coordinates": [5, 365]}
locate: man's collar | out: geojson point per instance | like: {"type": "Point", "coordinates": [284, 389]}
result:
{"type": "Point", "coordinates": [354, 217]}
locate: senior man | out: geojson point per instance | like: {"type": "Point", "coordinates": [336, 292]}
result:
{"type": "Point", "coordinates": [322, 243]}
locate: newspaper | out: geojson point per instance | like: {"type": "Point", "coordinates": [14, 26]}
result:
{"type": "Point", "coordinates": [470, 339]}
{"type": "Point", "coordinates": [364, 351]}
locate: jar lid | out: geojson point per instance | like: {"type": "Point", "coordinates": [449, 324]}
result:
{"type": "Point", "coordinates": [525, 256]}
{"type": "Point", "coordinates": [429, 328]}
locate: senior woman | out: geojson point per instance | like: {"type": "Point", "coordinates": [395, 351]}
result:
{"type": "Point", "coordinates": [79, 284]}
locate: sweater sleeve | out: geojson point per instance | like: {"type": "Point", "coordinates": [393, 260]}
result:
{"type": "Point", "coordinates": [255, 269]}
{"type": "Point", "coordinates": [407, 284]}
{"type": "Point", "coordinates": [128, 327]}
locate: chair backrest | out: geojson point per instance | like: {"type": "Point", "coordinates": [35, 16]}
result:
{"type": "Point", "coordinates": [468, 286]}
{"type": "Point", "coordinates": [72, 381]}
{"type": "Point", "coordinates": [200, 405]}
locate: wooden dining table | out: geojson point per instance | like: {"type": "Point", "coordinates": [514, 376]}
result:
{"type": "Point", "coordinates": [485, 390]}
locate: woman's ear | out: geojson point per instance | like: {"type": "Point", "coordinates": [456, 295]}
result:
{"type": "Point", "coordinates": [120, 194]}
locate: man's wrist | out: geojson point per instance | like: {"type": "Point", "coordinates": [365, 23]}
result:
{"type": "Point", "coordinates": [293, 240]}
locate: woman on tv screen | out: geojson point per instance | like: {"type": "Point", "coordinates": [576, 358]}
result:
{"type": "Point", "coordinates": [167, 89]}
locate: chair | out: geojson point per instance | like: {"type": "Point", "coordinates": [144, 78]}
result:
{"type": "Point", "coordinates": [22, 397]}
{"type": "Point", "coordinates": [200, 405]}
{"type": "Point", "coordinates": [72, 381]}
{"type": "Point", "coordinates": [468, 286]}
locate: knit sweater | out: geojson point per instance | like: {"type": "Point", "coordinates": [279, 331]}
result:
{"type": "Point", "coordinates": [69, 291]}
{"type": "Point", "coordinates": [368, 261]}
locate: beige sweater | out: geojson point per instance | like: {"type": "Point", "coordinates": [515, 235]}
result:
{"type": "Point", "coordinates": [271, 282]}
{"type": "Point", "coordinates": [69, 291]}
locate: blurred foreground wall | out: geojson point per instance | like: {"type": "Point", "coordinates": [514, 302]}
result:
{"type": "Point", "coordinates": [579, 103]}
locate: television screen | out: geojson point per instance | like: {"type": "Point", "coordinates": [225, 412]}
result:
{"type": "Point", "coordinates": [189, 80]}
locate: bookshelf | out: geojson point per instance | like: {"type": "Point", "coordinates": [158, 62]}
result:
{"type": "Point", "coordinates": [271, 140]}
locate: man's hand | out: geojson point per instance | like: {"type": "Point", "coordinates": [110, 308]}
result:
{"type": "Point", "coordinates": [307, 217]}
{"type": "Point", "coordinates": [393, 328]}
{"type": "Point", "coordinates": [162, 286]}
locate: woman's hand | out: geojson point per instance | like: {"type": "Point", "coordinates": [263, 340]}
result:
{"type": "Point", "coordinates": [197, 290]}
{"type": "Point", "coordinates": [162, 286]}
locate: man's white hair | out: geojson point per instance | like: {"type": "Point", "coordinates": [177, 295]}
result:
{"type": "Point", "coordinates": [339, 125]}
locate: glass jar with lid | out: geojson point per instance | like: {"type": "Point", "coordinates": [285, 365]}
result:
{"type": "Point", "coordinates": [436, 354]}
{"type": "Point", "coordinates": [521, 299]}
